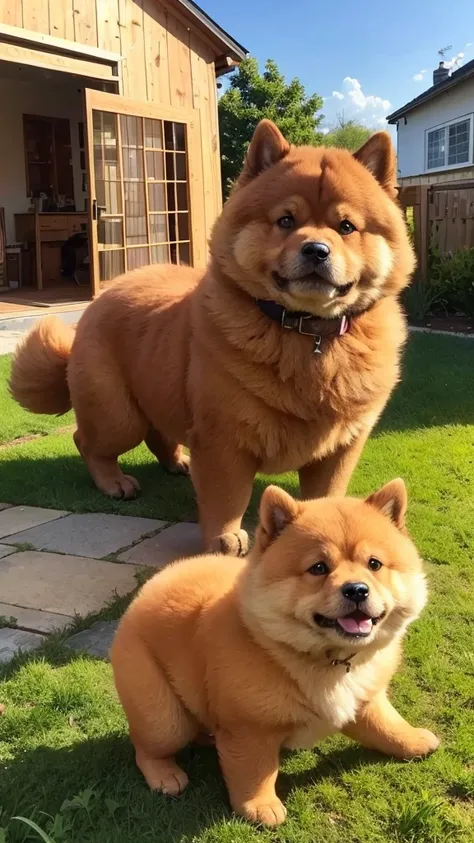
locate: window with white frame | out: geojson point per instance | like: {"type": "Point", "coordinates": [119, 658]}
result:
{"type": "Point", "coordinates": [449, 145]}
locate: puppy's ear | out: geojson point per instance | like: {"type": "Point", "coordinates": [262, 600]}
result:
{"type": "Point", "coordinates": [277, 510]}
{"type": "Point", "coordinates": [378, 156]}
{"type": "Point", "coordinates": [267, 147]}
{"type": "Point", "coordinates": [391, 500]}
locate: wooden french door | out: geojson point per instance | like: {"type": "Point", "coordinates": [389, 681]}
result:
{"type": "Point", "coordinates": [145, 186]}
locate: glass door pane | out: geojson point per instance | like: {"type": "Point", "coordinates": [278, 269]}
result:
{"type": "Point", "coordinates": [108, 188]}
{"type": "Point", "coordinates": [141, 168]}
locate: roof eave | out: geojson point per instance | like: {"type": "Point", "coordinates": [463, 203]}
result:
{"type": "Point", "coordinates": [432, 92]}
{"type": "Point", "coordinates": [229, 46]}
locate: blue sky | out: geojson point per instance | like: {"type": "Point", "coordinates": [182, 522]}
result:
{"type": "Point", "coordinates": [367, 57]}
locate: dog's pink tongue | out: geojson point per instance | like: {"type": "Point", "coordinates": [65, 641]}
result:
{"type": "Point", "coordinates": [353, 626]}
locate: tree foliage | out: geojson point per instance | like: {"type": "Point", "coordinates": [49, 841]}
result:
{"type": "Point", "coordinates": [251, 96]}
{"type": "Point", "coordinates": [347, 134]}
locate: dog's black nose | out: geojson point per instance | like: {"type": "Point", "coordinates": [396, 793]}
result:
{"type": "Point", "coordinates": [355, 591]}
{"type": "Point", "coordinates": [314, 249]}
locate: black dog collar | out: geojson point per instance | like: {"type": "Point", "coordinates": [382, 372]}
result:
{"type": "Point", "coordinates": [304, 323]}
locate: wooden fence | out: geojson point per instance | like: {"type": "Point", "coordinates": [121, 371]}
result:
{"type": "Point", "coordinates": [441, 217]}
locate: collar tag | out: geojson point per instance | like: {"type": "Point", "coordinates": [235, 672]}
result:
{"type": "Point", "coordinates": [346, 662]}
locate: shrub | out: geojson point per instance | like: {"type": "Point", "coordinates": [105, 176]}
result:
{"type": "Point", "coordinates": [419, 299]}
{"type": "Point", "coordinates": [453, 276]}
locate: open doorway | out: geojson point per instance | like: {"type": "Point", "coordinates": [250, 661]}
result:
{"type": "Point", "coordinates": [44, 188]}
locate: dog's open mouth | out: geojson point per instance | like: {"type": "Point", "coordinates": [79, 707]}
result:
{"type": "Point", "coordinates": [318, 283]}
{"type": "Point", "coordinates": [355, 625]}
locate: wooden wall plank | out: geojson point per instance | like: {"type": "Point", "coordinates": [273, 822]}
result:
{"type": "Point", "coordinates": [133, 49]}
{"type": "Point", "coordinates": [155, 27]}
{"type": "Point", "coordinates": [85, 22]}
{"type": "Point", "coordinates": [181, 92]}
{"type": "Point", "coordinates": [215, 144]}
{"type": "Point", "coordinates": [36, 15]}
{"type": "Point", "coordinates": [11, 12]}
{"type": "Point", "coordinates": [108, 28]}
{"type": "Point", "coordinates": [61, 19]}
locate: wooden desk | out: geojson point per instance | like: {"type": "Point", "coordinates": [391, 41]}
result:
{"type": "Point", "coordinates": [47, 228]}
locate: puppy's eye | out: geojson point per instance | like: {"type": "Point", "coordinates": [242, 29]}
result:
{"type": "Point", "coordinates": [346, 227]}
{"type": "Point", "coordinates": [374, 564]}
{"type": "Point", "coordinates": [318, 569]}
{"type": "Point", "coordinates": [287, 221]}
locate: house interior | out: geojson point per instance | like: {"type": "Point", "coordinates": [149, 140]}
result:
{"type": "Point", "coordinates": [43, 187]}
{"type": "Point", "coordinates": [139, 169]}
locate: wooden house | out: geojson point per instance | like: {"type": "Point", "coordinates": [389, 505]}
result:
{"type": "Point", "coordinates": [109, 140]}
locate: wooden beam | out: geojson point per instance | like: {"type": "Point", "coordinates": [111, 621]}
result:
{"type": "Point", "coordinates": [424, 233]}
{"type": "Point", "coordinates": [51, 61]}
{"type": "Point", "coordinates": [15, 35]}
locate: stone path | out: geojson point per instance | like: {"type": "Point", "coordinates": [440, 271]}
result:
{"type": "Point", "coordinates": [55, 565]}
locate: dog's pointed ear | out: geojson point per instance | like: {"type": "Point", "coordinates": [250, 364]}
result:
{"type": "Point", "coordinates": [378, 156]}
{"type": "Point", "coordinates": [277, 510]}
{"type": "Point", "coordinates": [267, 147]}
{"type": "Point", "coordinates": [391, 500]}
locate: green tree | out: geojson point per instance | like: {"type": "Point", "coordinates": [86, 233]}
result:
{"type": "Point", "coordinates": [347, 134]}
{"type": "Point", "coordinates": [251, 96]}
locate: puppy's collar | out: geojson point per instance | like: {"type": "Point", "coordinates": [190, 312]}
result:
{"type": "Point", "coordinates": [346, 662]}
{"type": "Point", "coordinates": [304, 323]}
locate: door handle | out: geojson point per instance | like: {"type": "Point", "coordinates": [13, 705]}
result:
{"type": "Point", "coordinates": [97, 210]}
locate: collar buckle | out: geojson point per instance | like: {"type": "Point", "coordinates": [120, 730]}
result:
{"type": "Point", "coordinates": [293, 322]}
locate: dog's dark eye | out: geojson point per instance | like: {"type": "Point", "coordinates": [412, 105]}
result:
{"type": "Point", "coordinates": [374, 564]}
{"type": "Point", "coordinates": [346, 227]}
{"type": "Point", "coordinates": [286, 221]}
{"type": "Point", "coordinates": [318, 570]}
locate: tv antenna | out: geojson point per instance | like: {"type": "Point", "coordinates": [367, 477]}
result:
{"type": "Point", "coordinates": [445, 50]}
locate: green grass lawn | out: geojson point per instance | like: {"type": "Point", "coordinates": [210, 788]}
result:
{"type": "Point", "coordinates": [65, 760]}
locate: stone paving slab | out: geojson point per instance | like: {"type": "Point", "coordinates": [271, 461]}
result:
{"type": "Point", "coordinates": [95, 641]}
{"type": "Point", "coordinates": [173, 543]}
{"type": "Point", "coordinates": [5, 550]}
{"type": "Point", "coordinates": [33, 619]}
{"type": "Point", "coordinates": [92, 534]}
{"type": "Point", "coordinates": [17, 519]}
{"type": "Point", "coordinates": [14, 640]}
{"type": "Point", "coordinates": [64, 585]}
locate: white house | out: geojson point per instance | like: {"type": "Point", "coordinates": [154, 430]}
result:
{"type": "Point", "coordinates": [435, 131]}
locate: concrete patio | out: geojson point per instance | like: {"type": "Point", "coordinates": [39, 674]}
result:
{"type": "Point", "coordinates": [55, 565]}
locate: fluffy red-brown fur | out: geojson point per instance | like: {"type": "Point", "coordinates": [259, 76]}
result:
{"type": "Point", "coordinates": [254, 652]}
{"type": "Point", "coordinates": [177, 357]}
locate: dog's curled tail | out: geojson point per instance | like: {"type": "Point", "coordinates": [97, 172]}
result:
{"type": "Point", "coordinates": [38, 378]}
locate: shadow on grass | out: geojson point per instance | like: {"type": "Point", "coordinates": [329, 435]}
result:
{"type": "Point", "coordinates": [42, 779]}
{"type": "Point", "coordinates": [437, 389]}
{"type": "Point", "coordinates": [437, 385]}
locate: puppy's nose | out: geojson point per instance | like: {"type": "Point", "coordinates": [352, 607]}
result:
{"type": "Point", "coordinates": [315, 250]}
{"type": "Point", "coordinates": [355, 591]}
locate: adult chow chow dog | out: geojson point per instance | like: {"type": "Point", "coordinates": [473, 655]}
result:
{"type": "Point", "coordinates": [296, 643]}
{"type": "Point", "coordinates": [280, 356]}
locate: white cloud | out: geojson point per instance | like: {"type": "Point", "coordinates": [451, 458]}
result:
{"type": "Point", "coordinates": [469, 44]}
{"type": "Point", "coordinates": [368, 109]}
{"type": "Point", "coordinates": [324, 131]}
{"type": "Point", "coordinates": [418, 77]}
{"type": "Point", "coordinates": [455, 61]}
{"type": "Point", "coordinates": [363, 102]}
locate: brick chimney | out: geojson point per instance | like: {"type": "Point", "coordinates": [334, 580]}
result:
{"type": "Point", "coordinates": [440, 74]}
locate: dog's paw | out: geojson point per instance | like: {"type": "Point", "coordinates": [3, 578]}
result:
{"type": "Point", "coordinates": [424, 743]}
{"type": "Point", "coordinates": [174, 784]}
{"type": "Point", "coordinates": [125, 488]}
{"type": "Point", "coordinates": [231, 544]}
{"type": "Point", "coordinates": [269, 813]}
{"type": "Point", "coordinates": [182, 466]}
{"type": "Point", "coordinates": [165, 778]}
